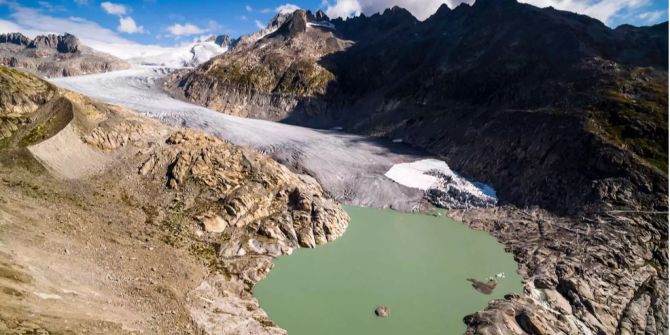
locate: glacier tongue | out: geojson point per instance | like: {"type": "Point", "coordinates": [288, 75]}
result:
{"type": "Point", "coordinates": [443, 187]}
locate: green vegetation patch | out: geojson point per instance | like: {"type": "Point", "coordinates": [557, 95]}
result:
{"type": "Point", "coordinates": [258, 77]}
{"type": "Point", "coordinates": [305, 78]}
{"type": "Point", "coordinates": [21, 93]}
{"type": "Point", "coordinates": [272, 74]}
{"type": "Point", "coordinates": [633, 113]}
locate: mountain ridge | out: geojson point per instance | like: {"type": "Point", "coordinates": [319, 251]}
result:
{"type": "Point", "coordinates": [54, 55]}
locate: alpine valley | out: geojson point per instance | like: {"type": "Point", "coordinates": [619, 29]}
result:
{"type": "Point", "coordinates": [154, 193]}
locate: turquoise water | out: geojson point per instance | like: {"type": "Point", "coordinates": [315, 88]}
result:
{"type": "Point", "coordinates": [417, 265]}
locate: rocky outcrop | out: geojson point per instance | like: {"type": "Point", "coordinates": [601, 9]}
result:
{"type": "Point", "coordinates": [582, 276]}
{"type": "Point", "coordinates": [14, 38]}
{"type": "Point", "coordinates": [382, 311]}
{"type": "Point", "coordinates": [224, 41]}
{"type": "Point", "coordinates": [20, 98]}
{"type": "Point", "coordinates": [62, 43]}
{"type": "Point", "coordinates": [54, 55]}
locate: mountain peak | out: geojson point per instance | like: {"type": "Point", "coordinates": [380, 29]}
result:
{"type": "Point", "coordinates": [14, 38]}
{"type": "Point", "coordinates": [224, 41]}
{"type": "Point", "coordinates": [397, 11]}
{"type": "Point", "coordinates": [295, 24]}
{"type": "Point", "coordinates": [66, 43]}
{"type": "Point", "coordinates": [493, 3]}
{"type": "Point", "coordinates": [321, 16]}
{"type": "Point", "coordinates": [441, 12]}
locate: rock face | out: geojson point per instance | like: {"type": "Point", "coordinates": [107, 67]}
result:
{"type": "Point", "coordinates": [186, 221]}
{"type": "Point", "coordinates": [54, 55]}
{"type": "Point", "coordinates": [224, 41]}
{"type": "Point", "coordinates": [383, 311]}
{"type": "Point", "coordinates": [604, 273]}
{"type": "Point", "coordinates": [563, 116]}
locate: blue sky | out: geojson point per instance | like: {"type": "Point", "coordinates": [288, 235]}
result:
{"type": "Point", "coordinates": [170, 22]}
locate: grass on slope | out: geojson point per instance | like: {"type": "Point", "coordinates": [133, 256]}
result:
{"type": "Point", "coordinates": [634, 115]}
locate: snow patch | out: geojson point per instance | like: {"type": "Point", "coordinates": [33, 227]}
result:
{"type": "Point", "coordinates": [189, 55]}
{"type": "Point", "coordinates": [322, 24]}
{"type": "Point", "coordinates": [444, 187]}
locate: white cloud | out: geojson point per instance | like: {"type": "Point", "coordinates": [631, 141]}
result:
{"type": "Point", "coordinates": [31, 22]}
{"type": "Point", "coordinates": [603, 10]}
{"type": "Point", "coordinates": [651, 17]}
{"type": "Point", "coordinates": [344, 8]}
{"type": "Point", "coordinates": [81, 2]}
{"type": "Point", "coordinates": [287, 8]}
{"type": "Point", "coordinates": [114, 9]}
{"type": "Point", "coordinates": [127, 25]}
{"type": "Point", "coordinates": [259, 24]}
{"type": "Point", "coordinates": [249, 8]}
{"type": "Point", "coordinates": [185, 29]}
{"type": "Point", "coordinates": [45, 5]}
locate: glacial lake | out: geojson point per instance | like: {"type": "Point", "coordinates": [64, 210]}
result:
{"type": "Point", "coordinates": [417, 265]}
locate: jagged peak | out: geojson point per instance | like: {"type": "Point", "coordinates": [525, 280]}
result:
{"type": "Point", "coordinates": [493, 3]}
{"type": "Point", "coordinates": [321, 16]}
{"type": "Point", "coordinates": [397, 11]}
{"type": "Point", "coordinates": [441, 12]}
{"type": "Point", "coordinates": [65, 43]}
{"type": "Point", "coordinates": [295, 24]}
{"type": "Point", "coordinates": [14, 38]}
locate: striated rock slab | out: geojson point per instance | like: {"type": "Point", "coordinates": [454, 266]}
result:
{"type": "Point", "coordinates": [584, 275]}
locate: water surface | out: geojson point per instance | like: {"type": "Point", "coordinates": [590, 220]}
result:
{"type": "Point", "coordinates": [417, 265]}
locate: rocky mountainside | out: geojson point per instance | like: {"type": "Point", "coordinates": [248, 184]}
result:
{"type": "Point", "coordinates": [54, 55]}
{"type": "Point", "coordinates": [111, 223]}
{"type": "Point", "coordinates": [267, 73]}
{"type": "Point", "coordinates": [565, 117]}
{"type": "Point", "coordinates": [552, 108]}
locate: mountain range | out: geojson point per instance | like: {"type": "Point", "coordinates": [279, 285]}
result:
{"type": "Point", "coordinates": [55, 55]}
{"type": "Point", "coordinates": [564, 117]}
{"type": "Point", "coordinates": [553, 108]}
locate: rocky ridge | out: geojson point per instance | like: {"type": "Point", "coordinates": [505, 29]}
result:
{"type": "Point", "coordinates": [54, 55]}
{"type": "Point", "coordinates": [183, 223]}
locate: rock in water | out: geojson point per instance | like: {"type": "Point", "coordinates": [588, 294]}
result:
{"type": "Point", "coordinates": [382, 311]}
{"type": "Point", "coordinates": [486, 287]}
